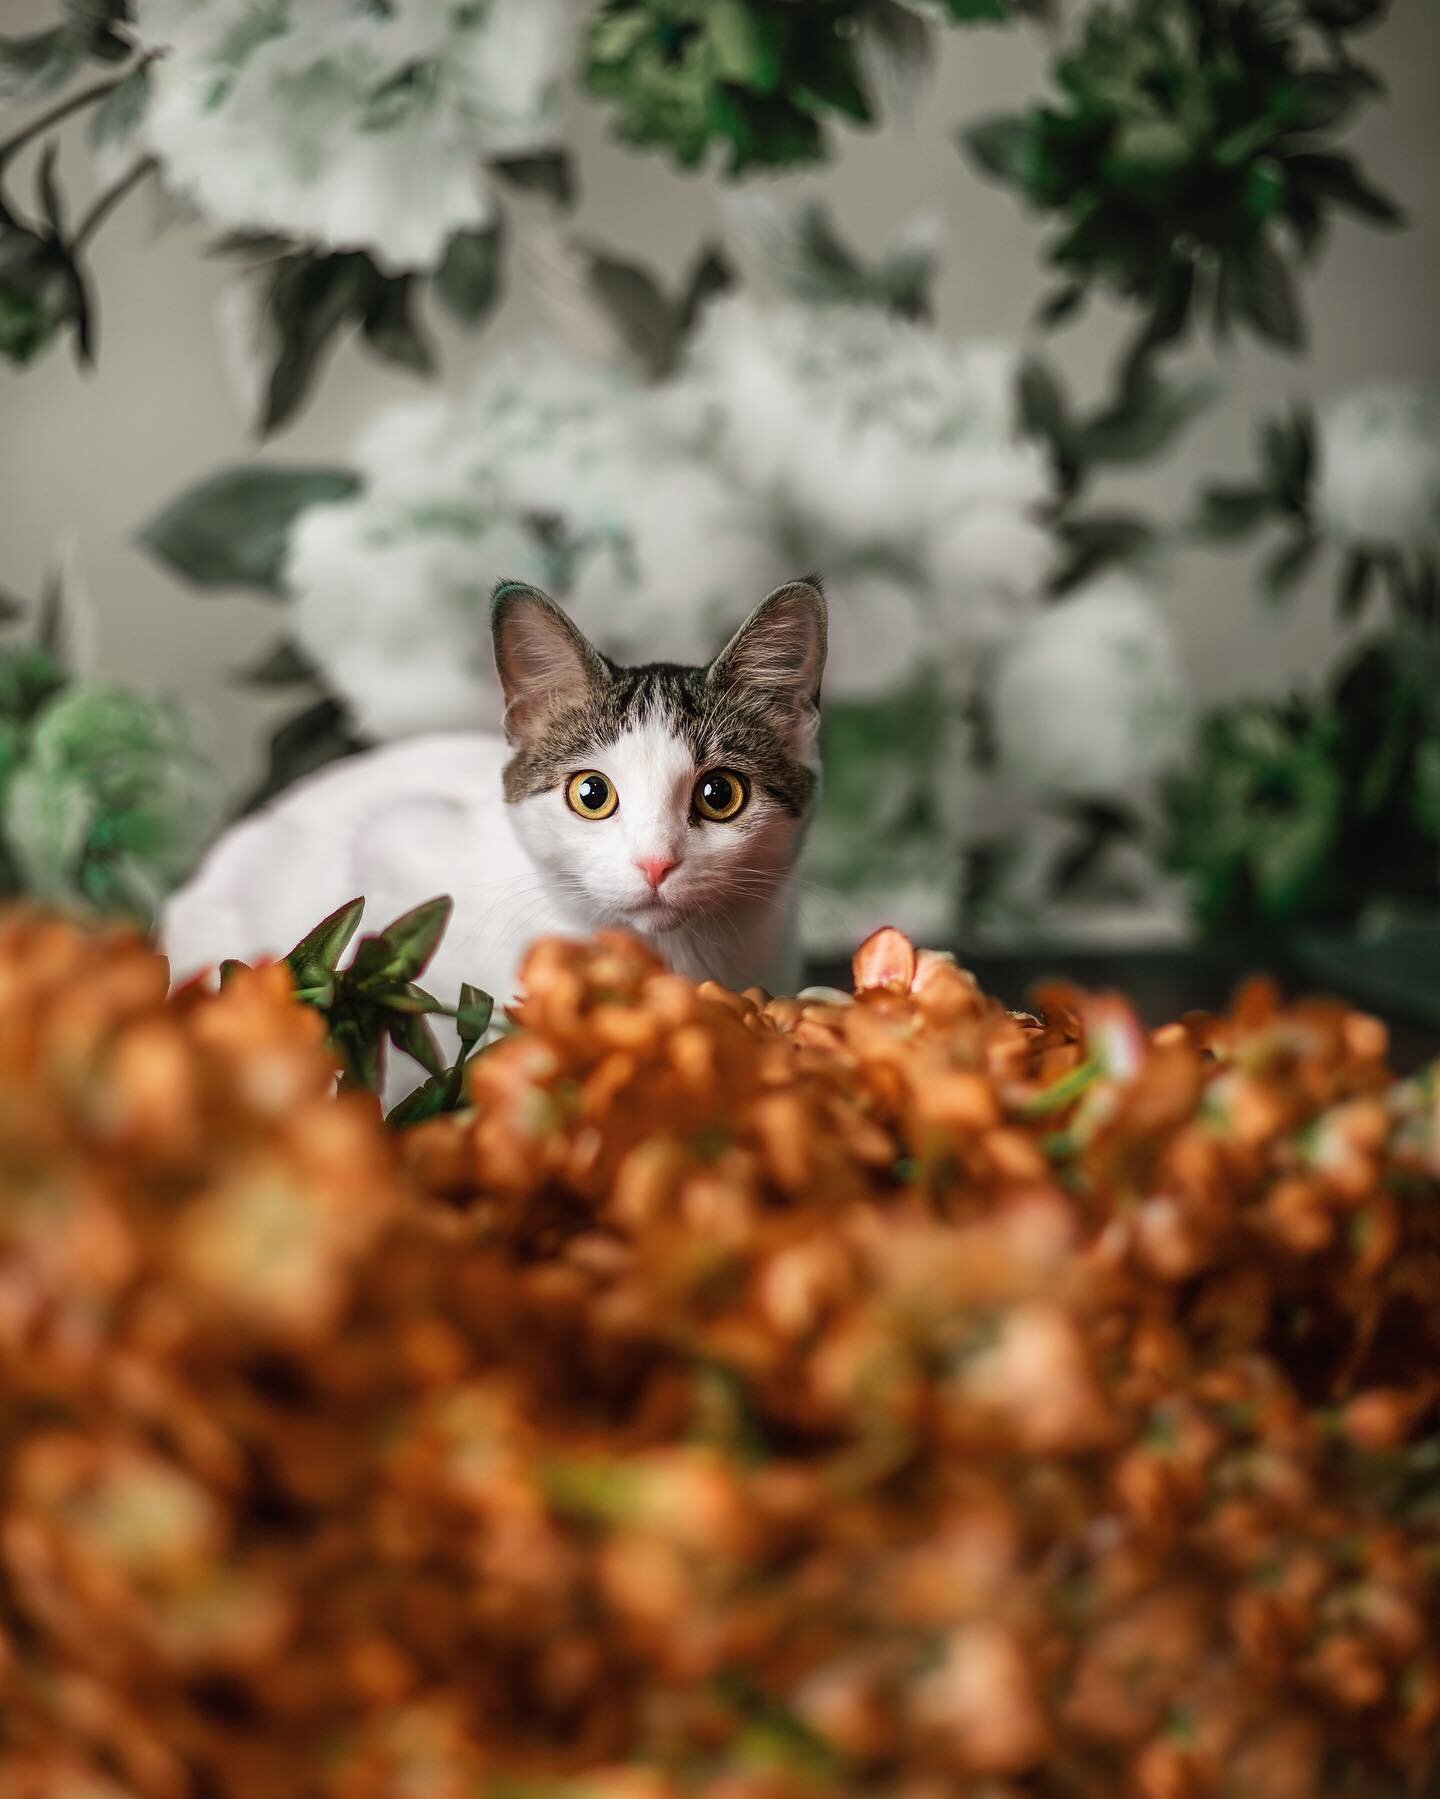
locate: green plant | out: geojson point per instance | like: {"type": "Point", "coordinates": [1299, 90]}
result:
{"type": "Point", "coordinates": [1319, 810]}
{"type": "Point", "coordinates": [759, 79]}
{"type": "Point", "coordinates": [374, 1000]}
{"type": "Point", "coordinates": [1186, 154]}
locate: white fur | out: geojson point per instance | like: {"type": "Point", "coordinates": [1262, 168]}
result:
{"type": "Point", "coordinates": [426, 816]}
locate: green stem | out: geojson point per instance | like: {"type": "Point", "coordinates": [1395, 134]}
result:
{"type": "Point", "coordinates": [109, 200]}
{"type": "Point", "coordinates": [87, 96]}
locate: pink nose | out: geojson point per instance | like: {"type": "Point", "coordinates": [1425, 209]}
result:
{"type": "Point", "coordinates": [654, 868]}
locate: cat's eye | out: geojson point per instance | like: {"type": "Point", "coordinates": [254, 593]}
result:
{"type": "Point", "coordinates": [721, 795]}
{"type": "Point", "coordinates": [591, 794]}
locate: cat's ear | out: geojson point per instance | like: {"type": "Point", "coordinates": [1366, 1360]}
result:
{"type": "Point", "coordinates": [780, 650]}
{"type": "Point", "coordinates": [545, 662]}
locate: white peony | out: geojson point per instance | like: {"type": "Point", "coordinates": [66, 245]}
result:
{"type": "Point", "coordinates": [873, 444]}
{"type": "Point", "coordinates": [347, 124]}
{"type": "Point", "coordinates": [1377, 478]}
{"type": "Point", "coordinates": [547, 470]}
{"type": "Point", "coordinates": [1088, 700]}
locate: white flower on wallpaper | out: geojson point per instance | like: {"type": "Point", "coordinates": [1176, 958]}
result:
{"type": "Point", "coordinates": [884, 455]}
{"type": "Point", "coordinates": [1377, 476]}
{"type": "Point", "coordinates": [1089, 700]}
{"type": "Point", "coordinates": [351, 125]}
{"type": "Point", "coordinates": [661, 514]}
{"type": "Point", "coordinates": [549, 470]}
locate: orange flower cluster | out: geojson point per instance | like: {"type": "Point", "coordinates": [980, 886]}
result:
{"type": "Point", "coordinates": [746, 1399]}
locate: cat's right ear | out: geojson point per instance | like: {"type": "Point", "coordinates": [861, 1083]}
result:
{"type": "Point", "coordinates": [546, 664]}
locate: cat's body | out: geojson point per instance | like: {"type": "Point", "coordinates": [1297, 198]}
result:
{"type": "Point", "coordinates": [609, 802]}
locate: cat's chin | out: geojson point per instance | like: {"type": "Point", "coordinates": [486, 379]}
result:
{"type": "Point", "coordinates": [658, 914]}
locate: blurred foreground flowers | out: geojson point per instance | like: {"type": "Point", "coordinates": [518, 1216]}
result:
{"type": "Point", "coordinates": [745, 1398]}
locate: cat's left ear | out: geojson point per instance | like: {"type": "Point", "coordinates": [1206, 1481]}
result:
{"type": "Point", "coordinates": [779, 652]}
{"type": "Point", "coordinates": [545, 662]}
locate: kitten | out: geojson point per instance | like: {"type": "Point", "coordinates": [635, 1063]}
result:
{"type": "Point", "coordinates": [669, 801]}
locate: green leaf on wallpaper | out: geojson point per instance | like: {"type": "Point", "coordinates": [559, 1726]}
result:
{"type": "Point", "coordinates": [284, 664]}
{"type": "Point", "coordinates": [37, 64]}
{"type": "Point", "coordinates": [1263, 292]}
{"type": "Point", "coordinates": [1145, 419]}
{"type": "Point", "coordinates": [1287, 450]}
{"type": "Point", "coordinates": [549, 173]}
{"type": "Point", "coordinates": [311, 296]}
{"type": "Point", "coordinates": [118, 116]}
{"type": "Point", "coordinates": [390, 328]}
{"type": "Point", "coordinates": [1357, 583]}
{"type": "Point", "coordinates": [1228, 514]}
{"type": "Point", "coordinates": [1287, 567]}
{"type": "Point", "coordinates": [233, 529]}
{"type": "Point", "coordinates": [638, 308]}
{"type": "Point", "coordinates": [468, 278]}
{"type": "Point", "coordinates": [311, 740]}
{"type": "Point", "coordinates": [998, 145]}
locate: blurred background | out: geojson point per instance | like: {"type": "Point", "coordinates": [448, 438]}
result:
{"type": "Point", "coordinates": [1089, 352]}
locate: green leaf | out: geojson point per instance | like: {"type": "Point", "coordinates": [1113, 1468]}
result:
{"type": "Point", "coordinates": [468, 278]}
{"type": "Point", "coordinates": [233, 529]}
{"type": "Point", "coordinates": [314, 738]}
{"type": "Point", "coordinates": [1144, 420]}
{"type": "Point", "coordinates": [37, 64]}
{"type": "Point", "coordinates": [710, 275]}
{"type": "Point", "coordinates": [1095, 542]}
{"type": "Point", "coordinates": [432, 1099]}
{"type": "Point", "coordinates": [311, 296]}
{"type": "Point", "coordinates": [403, 949]}
{"type": "Point", "coordinates": [900, 34]}
{"type": "Point", "coordinates": [1263, 291]}
{"type": "Point", "coordinates": [1338, 179]}
{"type": "Point", "coordinates": [748, 45]}
{"type": "Point", "coordinates": [1287, 450]}
{"type": "Point", "coordinates": [550, 173]}
{"type": "Point", "coordinates": [1356, 585]}
{"type": "Point", "coordinates": [473, 1014]}
{"type": "Point", "coordinates": [389, 326]}
{"type": "Point", "coordinates": [1061, 304]}
{"type": "Point", "coordinates": [284, 664]}
{"type": "Point", "coordinates": [119, 114]}
{"type": "Point", "coordinates": [1041, 400]}
{"type": "Point", "coordinates": [413, 1035]}
{"type": "Point", "coordinates": [1425, 800]}
{"type": "Point", "coordinates": [1287, 567]}
{"type": "Point", "coordinates": [640, 311]}
{"type": "Point", "coordinates": [320, 950]}
{"type": "Point", "coordinates": [998, 146]}
{"type": "Point", "coordinates": [1228, 514]}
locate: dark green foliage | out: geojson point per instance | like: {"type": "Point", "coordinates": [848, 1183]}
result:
{"type": "Point", "coordinates": [1182, 160]}
{"type": "Point", "coordinates": [1279, 495]}
{"type": "Point", "coordinates": [758, 79]}
{"type": "Point", "coordinates": [43, 61]}
{"type": "Point", "coordinates": [1315, 810]}
{"type": "Point", "coordinates": [1147, 415]}
{"type": "Point", "coordinates": [313, 738]}
{"type": "Point", "coordinates": [651, 324]}
{"type": "Point", "coordinates": [817, 265]}
{"type": "Point", "coordinates": [375, 998]}
{"type": "Point", "coordinates": [232, 529]}
{"type": "Point", "coordinates": [374, 1001]}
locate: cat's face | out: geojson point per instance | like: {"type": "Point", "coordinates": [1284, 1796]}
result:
{"type": "Point", "coordinates": [660, 795]}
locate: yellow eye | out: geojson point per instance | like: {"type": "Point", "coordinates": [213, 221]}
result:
{"type": "Point", "coordinates": [721, 795]}
{"type": "Point", "coordinates": [591, 795]}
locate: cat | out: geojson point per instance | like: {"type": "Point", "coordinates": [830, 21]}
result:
{"type": "Point", "coordinates": [669, 801]}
